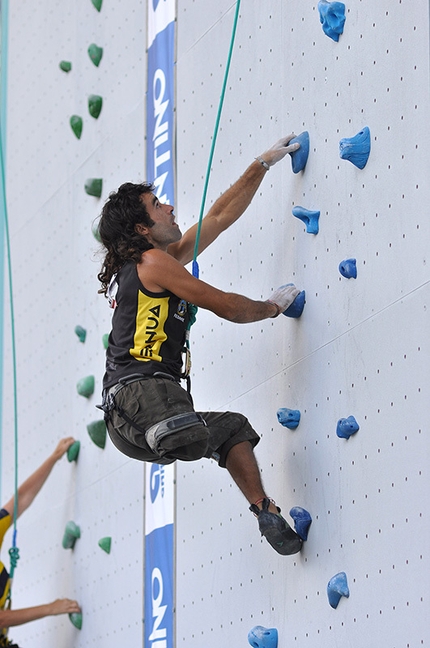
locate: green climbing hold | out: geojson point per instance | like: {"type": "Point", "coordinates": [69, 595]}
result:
{"type": "Point", "coordinates": [76, 123]}
{"type": "Point", "coordinates": [71, 534]}
{"type": "Point", "coordinates": [73, 451]}
{"type": "Point", "coordinates": [105, 544]}
{"type": "Point", "coordinates": [81, 333]}
{"type": "Point", "coordinates": [105, 340]}
{"type": "Point", "coordinates": [66, 66]}
{"type": "Point", "coordinates": [95, 231]}
{"type": "Point", "coordinates": [76, 619]}
{"type": "Point", "coordinates": [85, 386]}
{"type": "Point", "coordinates": [97, 432]}
{"type": "Point", "coordinates": [95, 103]}
{"type": "Point", "coordinates": [97, 4]}
{"type": "Point", "coordinates": [94, 186]}
{"type": "Point", "coordinates": [95, 52]}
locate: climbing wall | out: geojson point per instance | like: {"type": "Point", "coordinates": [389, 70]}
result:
{"type": "Point", "coordinates": [55, 263]}
{"type": "Point", "coordinates": [360, 348]}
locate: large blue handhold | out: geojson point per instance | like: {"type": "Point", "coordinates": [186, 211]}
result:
{"type": "Point", "coordinates": [348, 268]}
{"type": "Point", "coordinates": [260, 637]}
{"type": "Point", "coordinates": [356, 149]}
{"type": "Point", "coordinates": [300, 157]}
{"type": "Point", "coordinates": [302, 521]}
{"type": "Point", "coordinates": [310, 218]}
{"type": "Point", "coordinates": [288, 417]}
{"type": "Point", "coordinates": [332, 18]}
{"type": "Point", "coordinates": [336, 588]}
{"type": "Point", "coordinates": [296, 308]}
{"type": "Point", "coordinates": [346, 427]}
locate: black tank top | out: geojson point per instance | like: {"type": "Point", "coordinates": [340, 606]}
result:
{"type": "Point", "coordinates": [148, 330]}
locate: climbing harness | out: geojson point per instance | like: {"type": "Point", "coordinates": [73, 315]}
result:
{"type": "Point", "coordinates": [157, 433]}
{"type": "Point", "coordinates": [192, 309]}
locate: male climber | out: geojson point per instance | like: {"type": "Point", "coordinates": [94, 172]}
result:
{"type": "Point", "coordinates": [149, 415]}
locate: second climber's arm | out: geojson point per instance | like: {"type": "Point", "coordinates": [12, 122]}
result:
{"type": "Point", "coordinates": [9, 618]}
{"type": "Point", "coordinates": [31, 486]}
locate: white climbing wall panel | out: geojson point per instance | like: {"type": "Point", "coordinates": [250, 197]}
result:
{"type": "Point", "coordinates": [361, 347]}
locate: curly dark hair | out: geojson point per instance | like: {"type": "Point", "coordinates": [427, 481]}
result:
{"type": "Point", "coordinates": [123, 210]}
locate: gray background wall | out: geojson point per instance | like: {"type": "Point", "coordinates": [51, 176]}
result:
{"type": "Point", "coordinates": [361, 347]}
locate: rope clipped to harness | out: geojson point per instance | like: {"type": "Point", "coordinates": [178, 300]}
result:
{"type": "Point", "coordinates": [192, 309]}
{"type": "Point", "coordinates": [14, 555]}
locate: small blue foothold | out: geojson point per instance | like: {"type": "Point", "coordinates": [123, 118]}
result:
{"type": "Point", "coordinates": [332, 18]}
{"type": "Point", "coordinates": [300, 157]}
{"type": "Point", "coordinates": [288, 417]}
{"type": "Point", "coordinates": [356, 149]}
{"type": "Point", "coordinates": [336, 588]}
{"type": "Point", "coordinates": [260, 637]}
{"type": "Point", "coordinates": [302, 521]}
{"type": "Point", "coordinates": [348, 268]}
{"type": "Point", "coordinates": [346, 427]}
{"type": "Point", "coordinates": [310, 218]}
{"type": "Point", "coordinates": [296, 308]}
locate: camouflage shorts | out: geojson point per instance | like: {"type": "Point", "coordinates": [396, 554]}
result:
{"type": "Point", "coordinates": [151, 400]}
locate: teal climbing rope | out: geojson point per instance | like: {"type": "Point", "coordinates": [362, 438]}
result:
{"type": "Point", "coordinates": [192, 308]}
{"type": "Point", "coordinates": [13, 551]}
{"type": "Point", "coordinates": [214, 138]}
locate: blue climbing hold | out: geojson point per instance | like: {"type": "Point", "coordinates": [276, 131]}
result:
{"type": "Point", "coordinates": [332, 18]}
{"type": "Point", "coordinates": [346, 427]}
{"type": "Point", "coordinates": [296, 308]}
{"type": "Point", "coordinates": [356, 149]}
{"type": "Point", "coordinates": [348, 268]}
{"type": "Point", "coordinates": [300, 157]}
{"type": "Point", "coordinates": [260, 637]}
{"type": "Point", "coordinates": [310, 218]}
{"type": "Point", "coordinates": [288, 417]}
{"type": "Point", "coordinates": [336, 588]}
{"type": "Point", "coordinates": [302, 521]}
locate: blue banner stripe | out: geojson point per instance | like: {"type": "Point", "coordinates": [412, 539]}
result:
{"type": "Point", "coordinates": [159, 588]}
{"type": "Point", "coordinates": [160, 115]}
{"type": "Point", "coordinates": [159, 541]}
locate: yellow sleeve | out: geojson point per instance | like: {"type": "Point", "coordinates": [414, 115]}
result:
{"type": "Point", "coordinates": [5, 523]}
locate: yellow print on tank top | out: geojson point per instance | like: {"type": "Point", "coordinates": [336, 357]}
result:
{"type": "Point", "coordinates": [150, 334]}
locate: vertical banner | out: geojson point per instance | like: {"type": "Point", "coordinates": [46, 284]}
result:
{"type": "Point", "coordinates": [160, 98]}
{"type": "Point", "coordinates": [159, 486]}
{"type": "Point", "coordinates": [159, 529]}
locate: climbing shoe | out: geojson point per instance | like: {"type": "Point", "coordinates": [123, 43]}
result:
{"type": "Point", "coordinates": [276, 530]}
